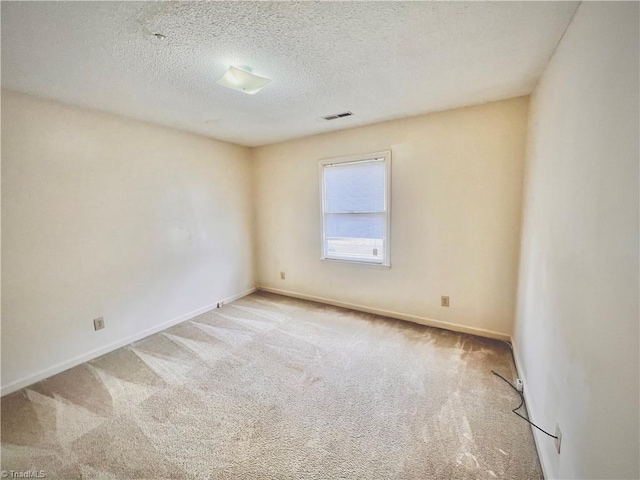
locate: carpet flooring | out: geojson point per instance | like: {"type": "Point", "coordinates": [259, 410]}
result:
{"type": "Point", "coordinates": [269, 387]}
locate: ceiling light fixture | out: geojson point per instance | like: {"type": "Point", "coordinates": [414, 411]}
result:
{"type": "Point", "coordinates": [243, 80]}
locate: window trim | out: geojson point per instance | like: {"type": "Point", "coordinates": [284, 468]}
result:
{"type": "Point", "coordinates": [386, 156]}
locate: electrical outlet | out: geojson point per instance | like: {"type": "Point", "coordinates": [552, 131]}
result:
{"type": "Point", "coordinates": [558, 441]}
{"type": "Point", "coordinates": [98, 323]}
{"type": "Point", "coordinates": [282, 275]}
{"type": "Point", "coordinates": [444, 301]}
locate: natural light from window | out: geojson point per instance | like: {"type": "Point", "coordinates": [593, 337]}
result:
{"type": "Point", "coordinates": [355, 208]}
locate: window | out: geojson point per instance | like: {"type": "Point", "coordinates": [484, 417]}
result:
{"type": "Point", "coordinates": [355, 208]}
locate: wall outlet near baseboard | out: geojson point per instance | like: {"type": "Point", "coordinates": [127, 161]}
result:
{"type": "Point", "coordinates": [444, 301]}
{"type": "Point", "coordinates": [282, 275]}
{"type": "Point", "coordinates": [98, 323]}
{"type": "Point", "coordinates": [558, 441]}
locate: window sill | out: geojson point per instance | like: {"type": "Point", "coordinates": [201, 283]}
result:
{"type": "Point", "coordinates": [379, 266]}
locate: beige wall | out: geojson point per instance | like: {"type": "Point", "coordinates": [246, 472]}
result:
{"type": "Point", "coordinates": [104, 216]}
{"type": "Point", "coordinates": [577, 328]}
{"type": "Point", "coordinates": [456, 201]}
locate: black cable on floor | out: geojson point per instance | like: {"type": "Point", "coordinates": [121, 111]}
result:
{"type": "Point", "coordinates": [515, 410]}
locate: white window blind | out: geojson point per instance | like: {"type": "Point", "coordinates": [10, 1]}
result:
{"type": "Point", "coordinates": [355, 210]}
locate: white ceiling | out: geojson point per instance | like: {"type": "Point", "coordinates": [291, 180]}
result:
{"type": "Point", "coordinates": [381, 60]}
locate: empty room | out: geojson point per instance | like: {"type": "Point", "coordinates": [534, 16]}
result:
{"type": "Point", "coordinates": [320, 240]}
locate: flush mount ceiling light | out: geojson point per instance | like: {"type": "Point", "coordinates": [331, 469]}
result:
{"type": "Point", "coordinates": [243, 80]}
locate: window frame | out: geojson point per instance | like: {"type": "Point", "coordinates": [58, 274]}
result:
{"type": "Point", "coordinates": [386, 260]}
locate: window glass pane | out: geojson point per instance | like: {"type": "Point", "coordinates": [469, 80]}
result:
{"type": "Point", "coordinates": [354, 211]}
{"type": "Point", "coordinates": [361, 249]}
{"type": "Point", "coordinates": [355, 187]}
{"type": "Point", "coordinates": [363, 225]}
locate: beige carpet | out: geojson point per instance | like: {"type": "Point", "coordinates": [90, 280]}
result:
{"type": "Point", "coordinates": [274, 388]}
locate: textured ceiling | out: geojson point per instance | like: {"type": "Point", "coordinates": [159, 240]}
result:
{"type": "Point", "coordinates": [381, 60]}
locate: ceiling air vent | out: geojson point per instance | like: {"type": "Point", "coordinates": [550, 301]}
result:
{"type": "Point", "coordinates": [338, 115]}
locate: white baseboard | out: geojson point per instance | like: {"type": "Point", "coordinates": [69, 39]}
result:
{"type": "Point", "coordinates": [61, 367]}
{"type": "Point", "coordinates": [388, 313]}
{"type": "Point", "coordinates": [537, 436]}
{"type": "Point", "coordinates": [233, 298]}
